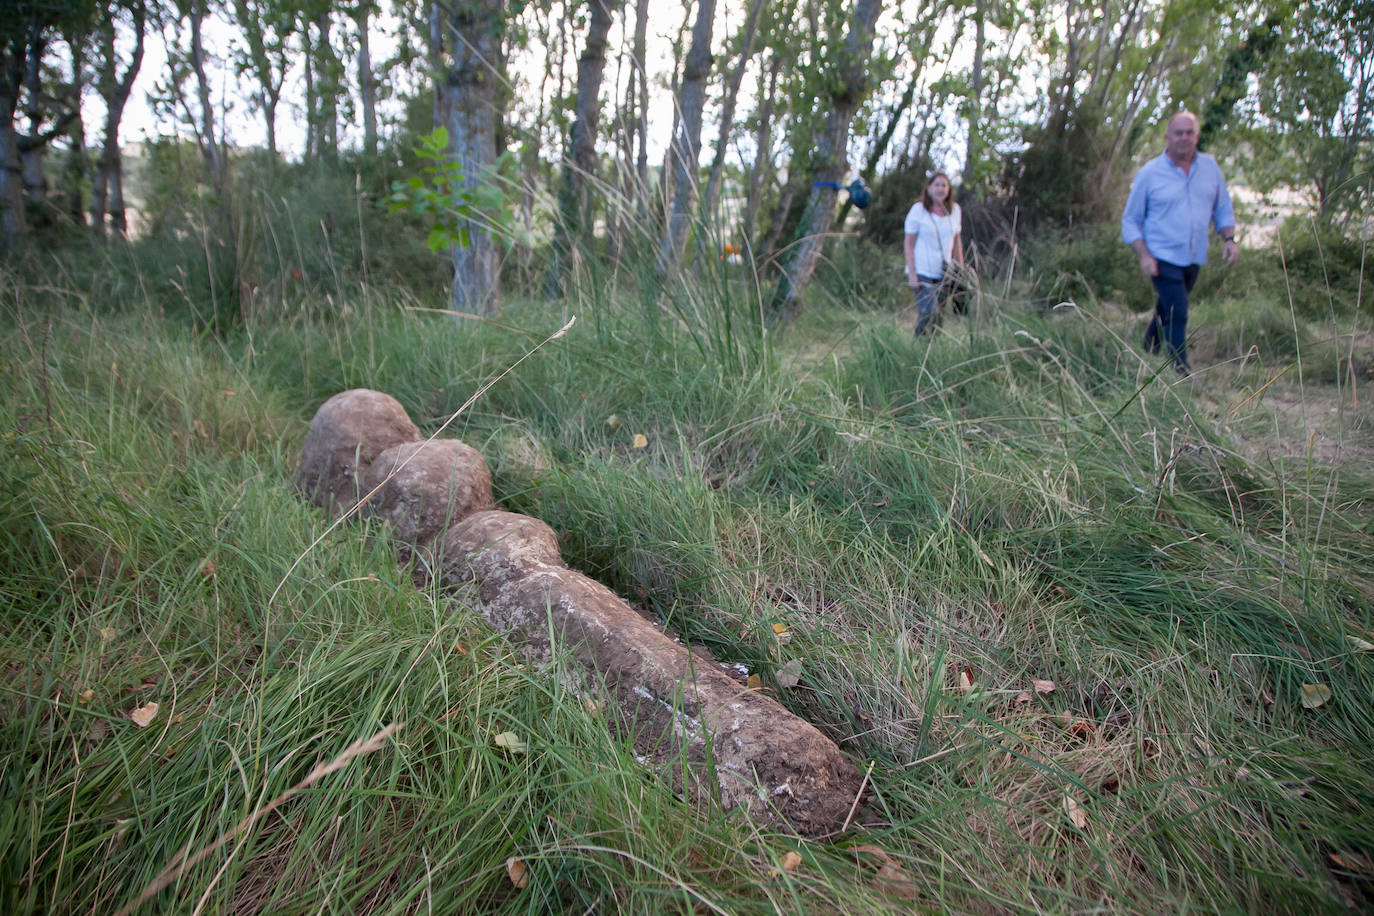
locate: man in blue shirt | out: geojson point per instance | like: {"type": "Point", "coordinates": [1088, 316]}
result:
{"type": "Point", "coordinates": [1173, 200]}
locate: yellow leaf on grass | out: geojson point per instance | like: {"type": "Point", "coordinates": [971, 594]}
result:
{"type": "Point", "coordinates": [1043, 686]}
{"type": "Point", "coordinates": [1314, 695]}
{"type": "Point", "coordinates": [641, 440]}
{"type": "Point", "coordinates": [755, 682]}
{"type": "Point", "coordinates": [144, 715]}
{"type": "Point", "coordinates": [516, 871]}
{"type": "Point", "coordinates": [779, 628]}
{"type": "Point", "coordinates": [1076, 814]}
{"type": "Point", "coordinates": [511, 742]}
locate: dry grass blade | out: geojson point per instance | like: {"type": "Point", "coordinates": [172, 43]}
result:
{"type": "Point", "coordinates": [179, 865]}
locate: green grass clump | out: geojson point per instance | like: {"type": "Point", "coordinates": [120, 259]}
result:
{"type": "Point", "coordinates": [1072, 615]}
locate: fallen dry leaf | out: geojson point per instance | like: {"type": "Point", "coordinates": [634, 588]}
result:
{"type": "Point", "coordinates": [779, 628]}
{"type": "Point", "coordinates": [641, 441]}
{"type": "Point", "coordinates": [144, 715]}
{"type": "Point", "coordinates": [207, 568]}
{"type": "Point", "coordinates": [613, 421]}
{"type": "Point", "coordinates": [1022, 698]}
{"type": "Point", "coordinates": [1042, 687]}
{"type": "Point", "coordinates": [789, 675]}
{"type": "Point", "coordinates": [511, 742]}
{"type": "Point", "coordinates": [87, 695]}
{"type": "Point", "coordinates": [516, 871]}
{"type": "Point", "coordinates": [1076, 814]}
{"type": "Point", "coordinates": [1314, 695]}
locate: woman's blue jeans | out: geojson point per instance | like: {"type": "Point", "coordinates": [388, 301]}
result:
{"type": "Point", "coordinates": [927, 299]}
{"type": "Point", "coordinates": [1170, 321]}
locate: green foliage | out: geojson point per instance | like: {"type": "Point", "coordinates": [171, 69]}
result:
{"type": "Point", "coordinates": [1312, 124]}
{"type": "Point", "coordinates": [448, 203]}
{"type": "Point", "coordinates": [1057, 178]}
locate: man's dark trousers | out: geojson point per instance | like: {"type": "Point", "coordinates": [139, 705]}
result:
{"type": "Point", "coordinates": [1170, 322]}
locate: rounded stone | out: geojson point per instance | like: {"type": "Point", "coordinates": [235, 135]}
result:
{"type": "Point", "coordinates": [497, 546]}
{"type": "Point", "coordinates": [424, 487]}
{"type": "Point", "coordinates": [346, 435]}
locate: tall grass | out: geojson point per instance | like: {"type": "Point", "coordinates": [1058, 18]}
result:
{"type": "Point", "coordinates": [1070, 613]}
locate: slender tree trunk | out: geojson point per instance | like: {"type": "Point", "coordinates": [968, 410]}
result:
{"type": "Point", "coordinates": [312, 104]}
{"type": "Point", "coordinates": [78, 166]}
{"type": "Point", "coordinates": [762, 172]}
{"type": "Point", "coordinates": [434, 50]}
{"type": "Point", "coordinates": [471, 98]}
{"type": "Point", "coordinates": [209, 146]}
{"type": "Point", "coordinates": [254, 22]}
{"type": "Point", "coordinates": [31, 154]}
{"type": "Point", "coordinates": [727, 115]}
{"type": "Point", "coordinates": [663, 199]}
{"type": "Point", "coordinates": [974, 112]}
{"type": "Point", "coordinates": [642, 109]}
{"type": "Point", "coordinates": [687, 146]}
{"type": "Point", "coordinates": [328, 75]}
{"type": "Point", "coordinates": [367, 81]}
{"type": "Point", "coordinates": [579, 165]}
{"type": "Point", "coordinates": [115, 90]}
{"type": "Point", "coordinates": [880, 146]}
{"type": "Point", "coordinates": [847, 94]}
{"type": "Point", "coordinates": [12, 223]}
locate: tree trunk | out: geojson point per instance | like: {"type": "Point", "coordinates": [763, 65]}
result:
{"type": "Point", "coordinates": [31, 154]}
{"type": "Point", "coordinates": [115, 90]}
{"type": "Point", "coordinates": [367, 81]}
{"type": "Point", "coordinates": [974, 110]}
{"type": "Point", "coordinates": [12, 223]}
{"type": "Point", "coordinates": [77, 165]}
{"type": "Point", "coordinates": [579, 164]}
{"type": "Point", "coordinates": [727, 115]}
{"type": "Point", "coordinates": [847, 93]}
{"type": "Point", "coordinates": [642, 110]}
{"type": "Point", "coordinates": [687, 145]}
{"type": "Point", "coordinates": [471, 98]}
{"type": "Point", "coordinates": [763, 151]}
{"type": "Point", "coordinates": [880, 146]}
{"type": "Point", "coordinates": [327, 71]}
{"type": "Point", "coordinates": [209, 146]}
{"type": "Point", "coordinates": [254, 22]}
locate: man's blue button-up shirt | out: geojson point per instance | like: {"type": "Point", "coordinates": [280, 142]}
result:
{"type": "Point", "coordinates": [1171, 210]}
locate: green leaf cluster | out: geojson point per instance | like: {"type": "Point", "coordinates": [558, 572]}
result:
{"type": "Point", "coordinates": [449, 204]}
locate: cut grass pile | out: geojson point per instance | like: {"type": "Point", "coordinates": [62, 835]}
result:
{"type": "Point", "coordinates": [1098, 642]}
